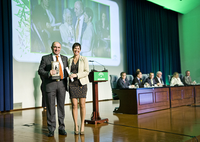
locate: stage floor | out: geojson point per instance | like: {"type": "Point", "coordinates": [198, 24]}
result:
{"type": "Point", "coordinates": [171, 125]}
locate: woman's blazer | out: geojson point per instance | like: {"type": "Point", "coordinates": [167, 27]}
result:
{"type": "Point", "coordinates": [83, 69]}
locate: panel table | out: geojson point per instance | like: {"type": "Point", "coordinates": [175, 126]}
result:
{"type": "Point", "coordinates": [197, 93]}
{"type": "Point", "coordinates": [181, 95]}
{"type": "Point", "coordinates": [142, 100]}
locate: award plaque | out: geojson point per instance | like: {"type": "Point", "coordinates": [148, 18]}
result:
{"type": "Point", "coordinates": [55, 66]}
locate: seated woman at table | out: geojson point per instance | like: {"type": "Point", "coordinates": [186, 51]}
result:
{"type": "Point", "coordinates": [175, 81]}
{"type": "Point", "coordinates": [123, 82]}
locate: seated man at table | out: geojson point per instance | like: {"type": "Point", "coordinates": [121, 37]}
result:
{"type": "Point", "coordinates": [150, 81]}
{"type": "Point", "coordinates": [137, 81]}
{"type": "Point", "coordinates": [122, 82]}
{"type": "Point", "coordinates": [187, 79]}
{"type": "Point", "coordinates": [158, 78]}
{"type": "Point", "coordinates": [175, 81]}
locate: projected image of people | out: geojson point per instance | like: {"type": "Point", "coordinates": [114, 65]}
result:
{"type": "Point", "coordinates": [67, 32]}
{"type": "Point", "coordinates": [103, 32]}
{"type": "Point", "coordinates": [70, 21]}
{"type": "Point", "coordinates": [43, 26]}
{"type": "Point", "coordinates": [88, 34]}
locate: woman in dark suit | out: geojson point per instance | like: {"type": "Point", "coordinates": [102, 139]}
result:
{"type": "Point", "coordinates": [78, 65]}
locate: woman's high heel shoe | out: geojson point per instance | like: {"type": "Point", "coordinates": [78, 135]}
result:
{"type": "Point", "coordinates": [75, 132]}
{"type": "Point", "coordinates": [82, 133]}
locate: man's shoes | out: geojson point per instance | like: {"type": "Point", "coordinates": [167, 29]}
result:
{"type": "Point", "coordinates": [50, 134]}
{"type": "Point", "coordinates": [62, 132]}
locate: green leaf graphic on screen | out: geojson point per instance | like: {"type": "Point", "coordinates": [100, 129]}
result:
{"type": "Point", "coordinates": [23, 24]}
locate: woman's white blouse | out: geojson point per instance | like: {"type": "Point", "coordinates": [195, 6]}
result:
{"type": "Point", "coordinates": [175, 81]}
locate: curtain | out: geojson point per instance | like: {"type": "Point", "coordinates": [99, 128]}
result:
{"type": "Point", "coordinates": [6, 59]}
{"type": "Point", "coordinates": [152, 38]}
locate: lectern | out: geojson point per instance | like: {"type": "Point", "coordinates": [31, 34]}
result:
{"type": "Point", "coordinates": [95, 77]}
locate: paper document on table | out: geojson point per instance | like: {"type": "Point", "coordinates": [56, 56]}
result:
{"type": "Point", "coordinates": [67, 69]}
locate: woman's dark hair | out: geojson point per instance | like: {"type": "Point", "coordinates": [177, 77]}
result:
{"type": "Point", "coordinates": [76, 44]}
{"type": "Point", "coordinates": [89, 12]}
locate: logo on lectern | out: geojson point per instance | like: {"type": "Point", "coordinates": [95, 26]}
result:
{"type": "Point", "coordinates": [101, 74]}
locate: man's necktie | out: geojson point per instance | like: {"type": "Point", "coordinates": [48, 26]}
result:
{"type": "Point", "coordinates": [77, 30]}
{"type": "Point", "coordinates": [60, 68]}
{"type": "Point", "coordinates": [152, 81]}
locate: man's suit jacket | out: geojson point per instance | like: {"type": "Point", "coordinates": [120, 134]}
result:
{"type": "Point", "coordinates": [83, 69]}
{"type": "Point", "coordinates": [157, 81]}
{"type": "Point", "coordinates": [139, 82]}
{"type": "Point", "coordinates": [148, 80]}
{"type": "Point", "coordinates": [44, 70]}
{"type": "Point", "coordinates": [122, 84]}
{"type": "Point", "coordinates": [187, 80]}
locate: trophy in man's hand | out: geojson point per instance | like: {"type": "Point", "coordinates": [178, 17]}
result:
{"type": "Point", "coordinates": [55, 66]}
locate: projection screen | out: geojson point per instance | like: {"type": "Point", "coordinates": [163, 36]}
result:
{"type": "Point", "coordinates": [37, 23]}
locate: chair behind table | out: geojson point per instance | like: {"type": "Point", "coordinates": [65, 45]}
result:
{"type": "Point", "coordinates": [180, 76]}
{"type": "Point", "coordinates": [144, 77]}
{"type": "Point", "coordinates": [113, 84]}
{"type": "Point", "coordinates": [130, 78]}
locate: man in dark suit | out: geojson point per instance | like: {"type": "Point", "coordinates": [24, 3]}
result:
{"type": "Point", "coordinates": [54, 88]}
{"type": "Point", "coordinates": [150, 80]}
{"type": "Point", "coordinates": [122, 82]}
{"type": "Point", "coordinates": [138, 80]}
{"type": "Point", "coordinates": [158, 78]}
{"type": "Point", "coordinates": [43, 90]}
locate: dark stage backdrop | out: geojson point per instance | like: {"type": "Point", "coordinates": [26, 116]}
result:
{"type": "Point", "coordinates": [152, 38]}
{"type": "Point", "coordinates": [6, 66]}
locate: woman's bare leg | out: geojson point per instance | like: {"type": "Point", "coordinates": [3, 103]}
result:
{"type": "Point", "coordinates": [82, 112]}
{"type": "Point", "coordinates": [75, 112]}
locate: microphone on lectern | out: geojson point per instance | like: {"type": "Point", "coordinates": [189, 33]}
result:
{"type": "Point", "coordinates": [92, 63]}
{"type": "Point", "coordinates": [99, 64]}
